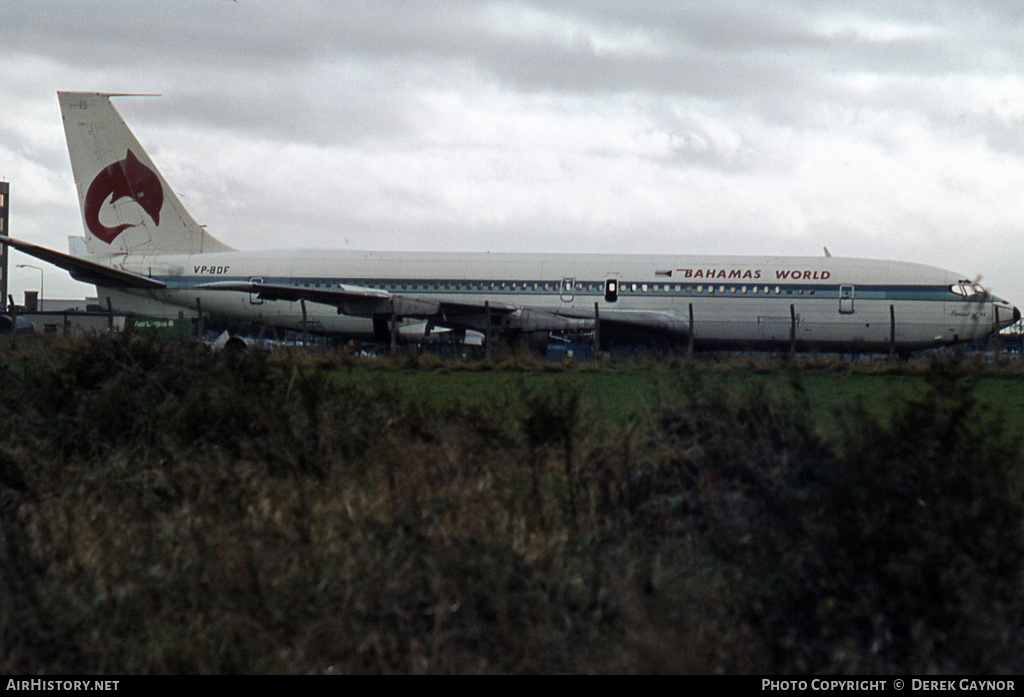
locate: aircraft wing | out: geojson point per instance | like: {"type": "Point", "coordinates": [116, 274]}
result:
{"type": "Point", "coordinates": [83, 269]}
{"type": "Point", "coordinates": [358, 301]}
{"type": "Point", "coordinates": [366, 302]}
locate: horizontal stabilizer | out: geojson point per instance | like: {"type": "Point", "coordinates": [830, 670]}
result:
{"type": "Point", "coordinates": [83, 269]}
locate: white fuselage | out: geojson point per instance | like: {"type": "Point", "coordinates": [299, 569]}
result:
{"type": "Point", "coordinates": [809, 302]}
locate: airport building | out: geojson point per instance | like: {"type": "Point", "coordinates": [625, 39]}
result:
{"type": "Point", "coordinates": [78, 318]}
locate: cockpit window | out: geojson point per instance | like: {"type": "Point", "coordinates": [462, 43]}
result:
{"type": "Point", "coordinates": [965, 288]}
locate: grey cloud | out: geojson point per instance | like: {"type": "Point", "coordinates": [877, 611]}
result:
{"type": "Point", "coordinates": [740, 104]}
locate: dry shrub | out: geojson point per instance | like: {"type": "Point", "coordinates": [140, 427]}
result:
{"type": "Point", "coordinates": [166, 509]}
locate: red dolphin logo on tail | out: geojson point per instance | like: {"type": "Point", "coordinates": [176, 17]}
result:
{"type": "Point", "coordinates": [125, 178]}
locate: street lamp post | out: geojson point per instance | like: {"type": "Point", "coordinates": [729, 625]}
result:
{"type": "Point", "coordinates": [30, 266]}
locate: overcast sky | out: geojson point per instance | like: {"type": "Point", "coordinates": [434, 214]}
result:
{"type": "Point", "coordinates": [879, 129]}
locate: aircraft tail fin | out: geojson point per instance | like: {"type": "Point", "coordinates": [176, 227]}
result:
{"type": "Point", "coordinates": [126, 206]}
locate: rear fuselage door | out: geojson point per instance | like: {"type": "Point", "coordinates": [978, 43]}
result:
{"type": "Point", "coordinates": [846, 294]}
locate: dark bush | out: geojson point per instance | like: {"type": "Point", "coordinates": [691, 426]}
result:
{"type": "Point", "coordinates": [874, 553]}
{"type": "Point", "coordinates": [168, 509]}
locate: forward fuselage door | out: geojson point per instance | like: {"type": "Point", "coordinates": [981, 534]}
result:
{"type": "Point", "coordinates": [611, 290]}
{"type": "Point", "coordinates": [846, 294]}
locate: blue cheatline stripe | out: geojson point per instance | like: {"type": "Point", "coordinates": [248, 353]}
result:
{"type": "Point", "coordinates": [597, 288]}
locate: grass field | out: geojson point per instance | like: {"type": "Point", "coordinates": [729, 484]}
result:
{"type": "Point", "coordinates": [621, 394]}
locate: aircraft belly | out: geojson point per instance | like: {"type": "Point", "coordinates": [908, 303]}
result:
{"type": "Point", "coordinates": [817, 322]}
{"type": "Point", "coordinates": [280, 314]}
{"type": "Point", "coordinates": [141, 302]}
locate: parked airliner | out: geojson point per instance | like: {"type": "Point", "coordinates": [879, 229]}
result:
{"type": "Point", "coordinates": [141, 243]}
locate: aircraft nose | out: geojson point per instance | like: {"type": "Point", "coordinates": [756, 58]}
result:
{"type": "Point", "coordinates": [1016, 314]}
